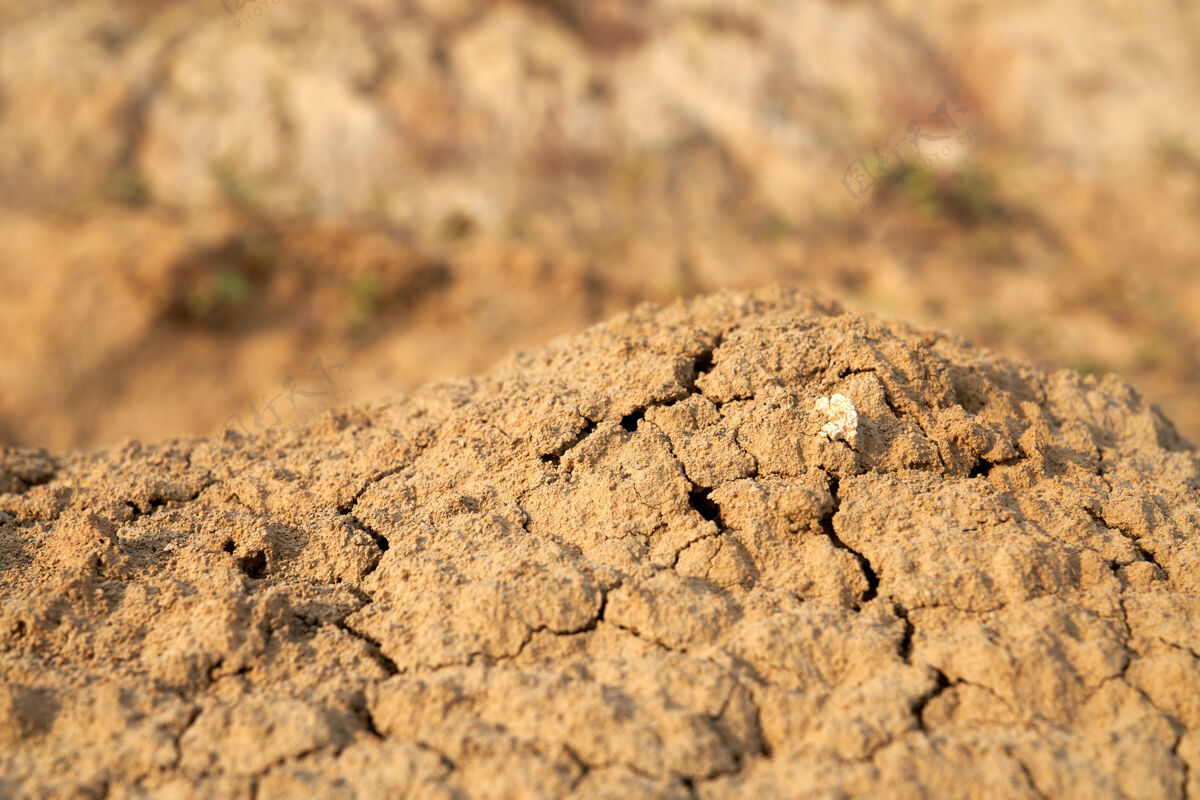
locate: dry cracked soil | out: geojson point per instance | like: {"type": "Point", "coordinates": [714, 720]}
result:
{"type": "Point", "coordinates": [625, 565]}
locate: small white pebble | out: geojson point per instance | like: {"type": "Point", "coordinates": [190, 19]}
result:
{"type": "Point", "coordinates": [843, 418]}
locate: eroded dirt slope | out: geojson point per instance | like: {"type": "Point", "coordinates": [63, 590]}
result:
{"type": "Point", "coordinates": [628, 564]}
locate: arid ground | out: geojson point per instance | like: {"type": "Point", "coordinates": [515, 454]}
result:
{"type": "Point", "coordinates": [646, 561]}
{"type": "Point", "coordinates": [544, 398]}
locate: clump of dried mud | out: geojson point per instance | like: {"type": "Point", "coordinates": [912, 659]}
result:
{"type": "Point", "coordinates": [627, 565]}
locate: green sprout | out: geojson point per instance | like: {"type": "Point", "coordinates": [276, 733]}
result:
{"type": "Point", "coordinates": [457, 226]}
{"type": "Point", "coordinates": [365, 294]}
{"type": "Point", "coordinates": [1088, 365]}
{"type": "Point", "coordinates": [232, 287]}
{"type": "Point", "coordinates": [1174, 151]}
{"type": "Point", "coordinates": [1150, 352]}
{"type": "Point", "coordinates": [227, 287]}
{"type": "Point", "coordinates": [964, 195]}
{"type": "Point", "coordinates": [126, 187]}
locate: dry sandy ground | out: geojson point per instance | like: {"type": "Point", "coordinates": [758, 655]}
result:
{"type": "Point", "coordinates": [643, 561]}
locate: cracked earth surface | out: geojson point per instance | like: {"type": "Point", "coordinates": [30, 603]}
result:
{"type": "Point", "coordinates": [626, 565]}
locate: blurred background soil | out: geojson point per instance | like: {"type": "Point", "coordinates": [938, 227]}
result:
{"type": "Point", "coordinates": [232, 214]}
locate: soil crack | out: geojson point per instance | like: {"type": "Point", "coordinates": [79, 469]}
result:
{"type": "Point", "coordinates": [827, 528]}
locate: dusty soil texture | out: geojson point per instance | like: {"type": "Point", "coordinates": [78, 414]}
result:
{"type": "Point", "coordinates": [626, 565]}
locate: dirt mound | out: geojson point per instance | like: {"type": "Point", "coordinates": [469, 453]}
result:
{"type": "Point", "coordinates": [748, 545]}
